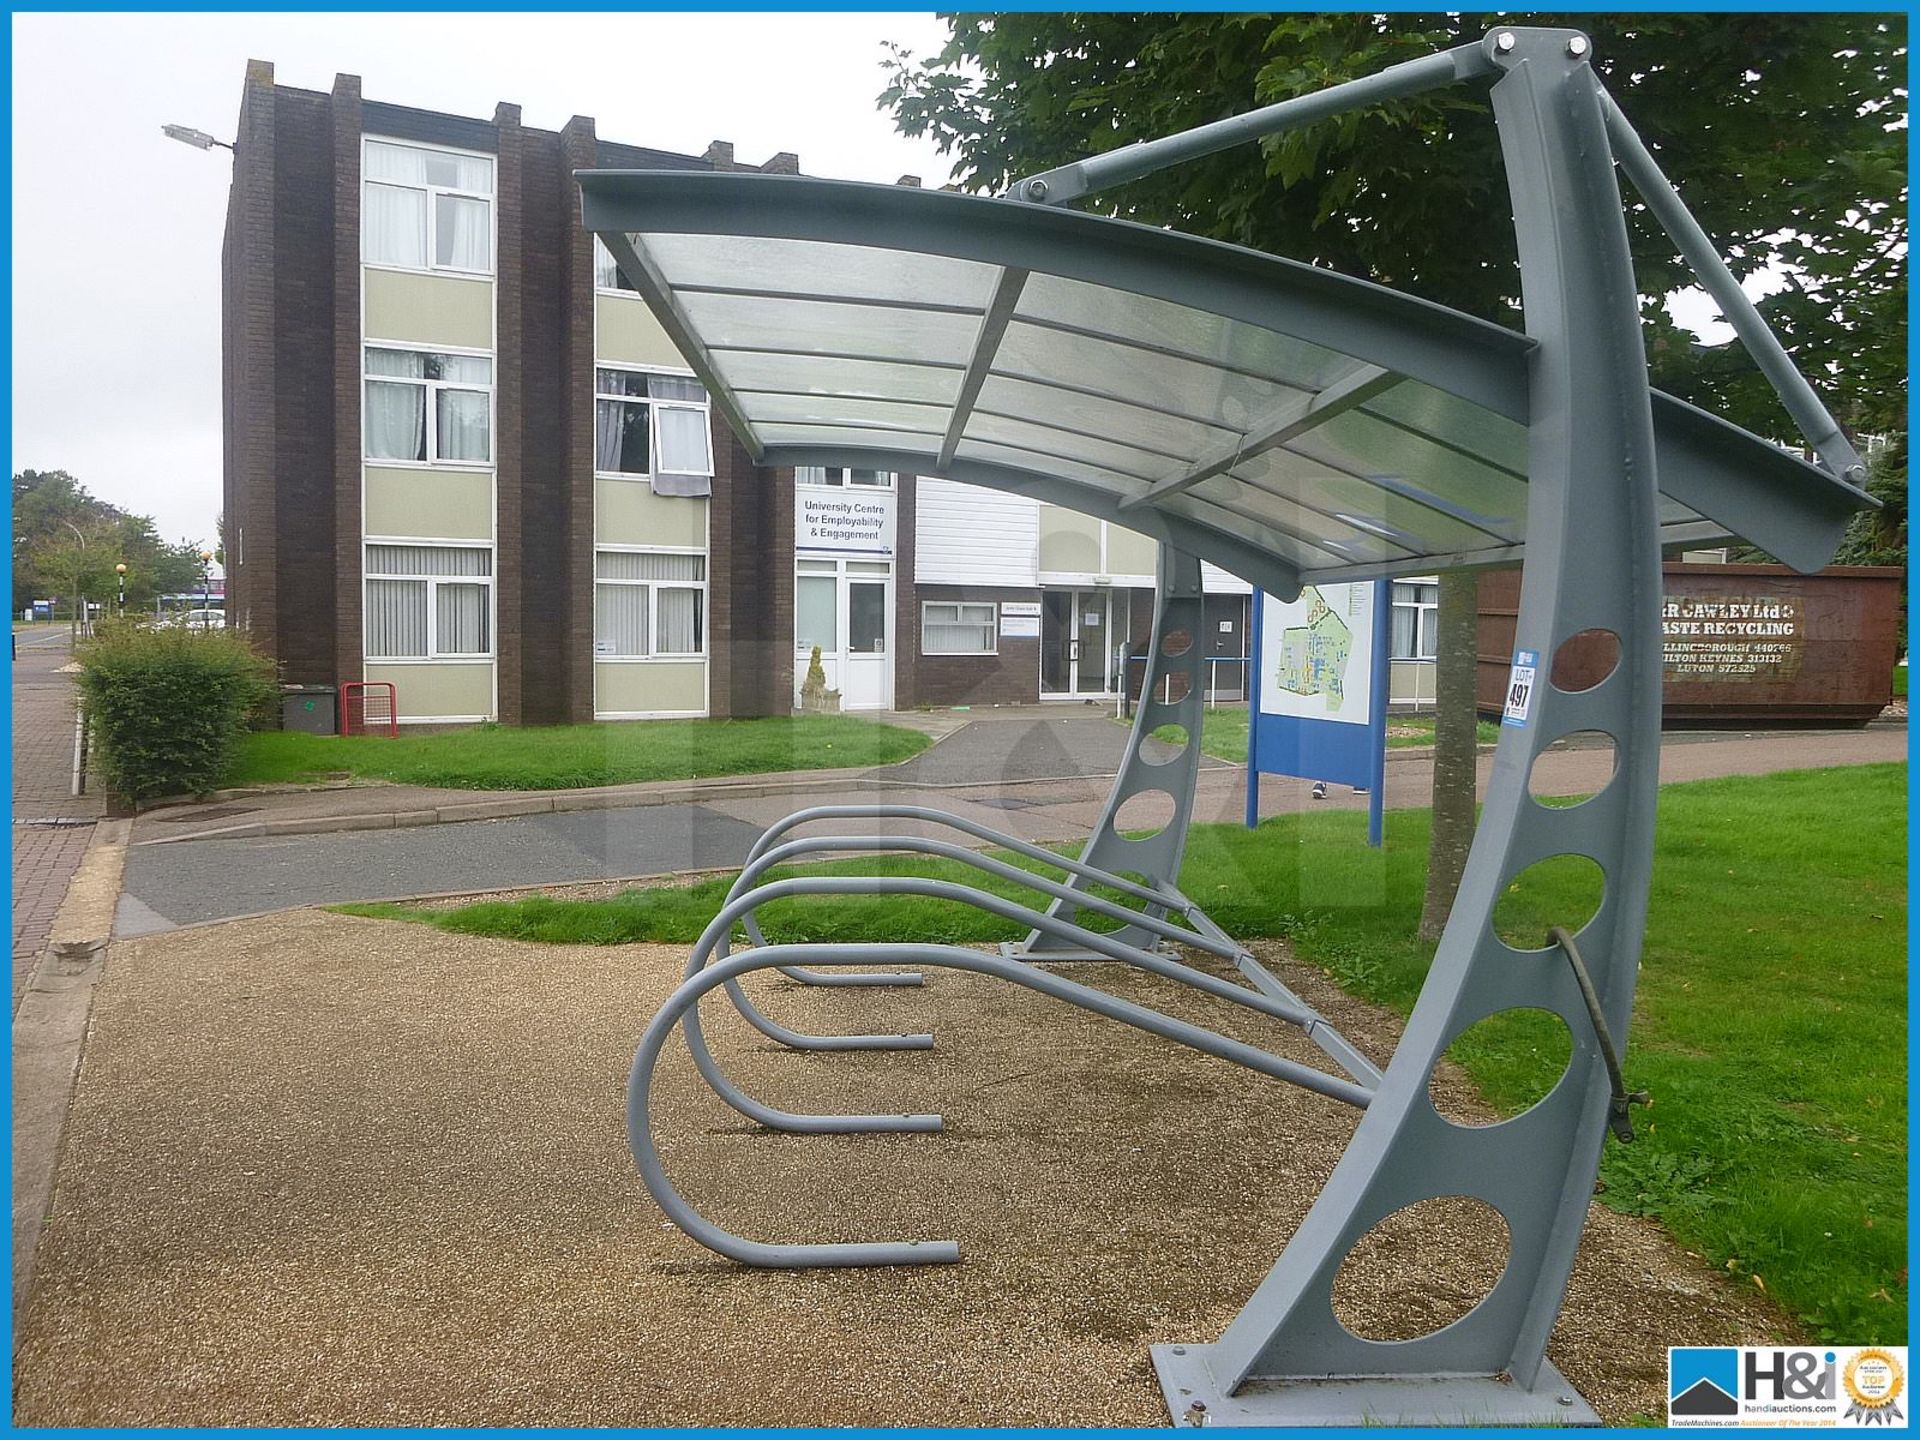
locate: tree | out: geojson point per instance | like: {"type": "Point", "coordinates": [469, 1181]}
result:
{"type": "Point", "coordinates": [1784, 132]}
{"type": "Point", "coordinates": [65, 540]}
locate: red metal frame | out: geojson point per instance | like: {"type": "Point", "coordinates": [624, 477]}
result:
{"type": "Point", "coordinates": [354, 710]}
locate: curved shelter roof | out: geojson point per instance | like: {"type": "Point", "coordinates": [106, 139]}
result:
{"type": "Point", "coordinates": [1287, 423]}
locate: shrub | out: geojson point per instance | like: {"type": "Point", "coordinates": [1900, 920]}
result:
{"type": "Point", "coordinates": [168, 706]}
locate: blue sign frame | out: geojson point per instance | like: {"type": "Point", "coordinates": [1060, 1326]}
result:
{"type": "Point", "coordinates": [1328, 750]}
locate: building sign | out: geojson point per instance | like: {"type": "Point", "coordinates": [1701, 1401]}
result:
{"type": "Point", "coordinates": [850, 520]}
{"type": "Point", "coordinates": [1732, 636]}
{"type": "Point", "coordinates": [1316, 658]}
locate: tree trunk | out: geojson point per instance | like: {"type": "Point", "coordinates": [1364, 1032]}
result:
{"type": "Point", "coordinates": [1454, 749]}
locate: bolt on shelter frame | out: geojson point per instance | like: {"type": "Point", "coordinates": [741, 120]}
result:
{"type": "Point", "coordinates": [1289, 425]}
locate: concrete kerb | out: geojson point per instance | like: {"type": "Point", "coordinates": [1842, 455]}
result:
{"type": "Point", "coordinates": [49, 1038]}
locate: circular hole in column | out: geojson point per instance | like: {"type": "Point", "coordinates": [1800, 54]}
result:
{"type": "Point", "coordinates": [1173, 687]}
{"type": "Point", "coordinates": [1584, 660]}
{"type": "Point", "coordinates": [1176, 642]}
{"type": "Point", "coordinates": [1533, 1049]}
{"type": "Point", "coordinates": [1574, 769]}
{"type": "Point", "coordinates": [1422, 1268]}
{"type": "Point", "coordinates": [1559, 890]}
{"type": "Point", "coordinates": [1144, 815]}
{"type": "Point", "coordinates": [1167, 744]}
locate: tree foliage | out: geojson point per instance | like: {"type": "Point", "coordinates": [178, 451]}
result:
{"type": "Point", "coordinates": [1784, 132]}
{"type": "Point", "coordinates": [66, 544]}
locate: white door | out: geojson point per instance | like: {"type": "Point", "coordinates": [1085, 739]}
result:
{"type": "Point", "coordinates": [868, 660]}
{"type": "Point", "coordinates": [845, 607]}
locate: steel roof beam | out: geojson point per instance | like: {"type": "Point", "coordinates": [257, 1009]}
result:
{"type": "Point", "coordinates": [1287, 422]}
{"type": "Point", "coordinates": [986, 344]}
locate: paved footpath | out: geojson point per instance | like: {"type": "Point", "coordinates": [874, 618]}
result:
{"type": "Point", "coordinates": [1044, 779]}
{"type": "Point", "coordinates": [45, 853]}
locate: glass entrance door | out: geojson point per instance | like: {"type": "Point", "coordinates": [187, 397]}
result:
{"type": "Point", "coordinates": [1076, 644]}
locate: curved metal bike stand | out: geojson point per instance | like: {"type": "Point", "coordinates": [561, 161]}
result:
{"type": "Point", "coordinates": [1204, 935]}
{"type": "Point", "coordinates": [934, 817]}
{"type": "Point", "coordinates": [680, 1008]}
{"type": "Point", "coordinates": [714, 941]}
{"type": "Point", "coordinates": [1175, 666]}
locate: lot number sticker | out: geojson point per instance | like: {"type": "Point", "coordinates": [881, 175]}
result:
{"type": "Point", "coordinates": [1526, 666]}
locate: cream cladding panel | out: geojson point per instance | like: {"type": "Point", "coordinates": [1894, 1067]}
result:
{"type": "Point", "coordinates": [1131, 553]}
{"type": "Point", "coordinates": [629, 335]}
{"type": "Point", "coordinates": [627, 512]}
{"type": "Point", "coordinates": [429, 309]}
{"type": "Point", "coordinates": [438, 690]}
{"type": "Point", "coordinates": [434, 504]}
{"type": "Point", "coordinates": [1069, 541]}
{"type": "Point", "coordinates": [650, 687]}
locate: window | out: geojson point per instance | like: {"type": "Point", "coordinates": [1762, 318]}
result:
{"type": "Point", "coordinates": [429, 602]}
{"type": "Point", "coordinates": [840, 475]}
{"type": "Point", "coordinates": [407, 387]}
{"type": "Point", "coordinates": [606, 274]}
{"type": "Point", "coordinates": [427, 209]}
{"type": "Point", "coordinates": [958, 628]}
{"type": "Point", "coordinates": [649, 604]}
{"type": "Point", "coordinates": [816, 606]}
{"type": "Point", "coordinates": [653, 425]}
{"type": "Point", "coordinates": [1416, 618]}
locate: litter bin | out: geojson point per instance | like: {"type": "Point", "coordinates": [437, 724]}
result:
{"type": "Point", "coordinates": [308, 709]}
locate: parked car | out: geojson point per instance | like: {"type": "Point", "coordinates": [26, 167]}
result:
{"type": "Point", "coordinates": [199, 619]}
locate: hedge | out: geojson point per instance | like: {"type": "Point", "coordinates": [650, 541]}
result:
{"type": "Point", "coordinates": [167, 706]}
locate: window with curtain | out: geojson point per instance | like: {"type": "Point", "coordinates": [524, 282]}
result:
{"type": "Point", "coordinates": [1416, 620]}
{"type": "Point", "coordinates": [958, 628]}
{"type": "Point", "coordinates": [655, 426]}
{"type": "Point", "coordinates": [405, 387]}
{"type": "Point", "coordinates": [428, 602]}
{"type": "Point", "coordinates": [606, 274]}
{"type": "Point", "coordinates": [649, 604]}
{"type": "Point", "coordinates": [426, 209]}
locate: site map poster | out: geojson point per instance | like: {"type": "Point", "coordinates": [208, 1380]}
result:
{"type": "Point", "coordinates": [1316, 654]}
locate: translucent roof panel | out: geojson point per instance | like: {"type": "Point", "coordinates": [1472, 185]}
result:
{"type": "Point", "coordinates": [879, 332]}
{"type": "Point", "coordinates": [855, 272]}
{"type": "Point", "coordinates": [1214, 340]}
{"type": "Point", "coordinates": [820, 375]}
{"type": "Point", "coordinates": [1281, 421]}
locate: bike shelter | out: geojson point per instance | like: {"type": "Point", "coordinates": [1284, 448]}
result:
{"type": "Point", "coordinates": [1292, 426]}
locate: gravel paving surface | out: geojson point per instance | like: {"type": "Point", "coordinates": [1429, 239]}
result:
{"type": "Point", "coordinates": [322, 1170]}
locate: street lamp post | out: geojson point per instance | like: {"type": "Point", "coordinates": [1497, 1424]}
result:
{"type": "Point", "coordinates": [79, 599]}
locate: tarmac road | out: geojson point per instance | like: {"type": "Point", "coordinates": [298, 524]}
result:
{"type": "Point", "coordinates": [167, 885]}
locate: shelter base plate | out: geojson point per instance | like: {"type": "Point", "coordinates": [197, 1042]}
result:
{"type": "Point", "coordinates": [1449, 1400]}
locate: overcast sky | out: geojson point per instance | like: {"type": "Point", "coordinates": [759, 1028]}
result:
{"type": "Point", "coordinates": [116, 229]}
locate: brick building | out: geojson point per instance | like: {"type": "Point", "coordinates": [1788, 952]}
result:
{"type": "Point", "coordinates": [461, 457]}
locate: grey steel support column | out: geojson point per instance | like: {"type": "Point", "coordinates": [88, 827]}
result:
{"type": "Point", "coordinates": [1176, 664]}
{"type": "Point", "coordinates": [1592, 563]}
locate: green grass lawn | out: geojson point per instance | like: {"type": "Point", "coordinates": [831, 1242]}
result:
{"type": "Point", "coordinates": [565, 757]}
{"type": "Point", "coordinates": [1223, 734]}
{"type": "Point", "coordinates": [1770, 1013]}
{"type": "Point", "coordinates": [1900, 682]}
